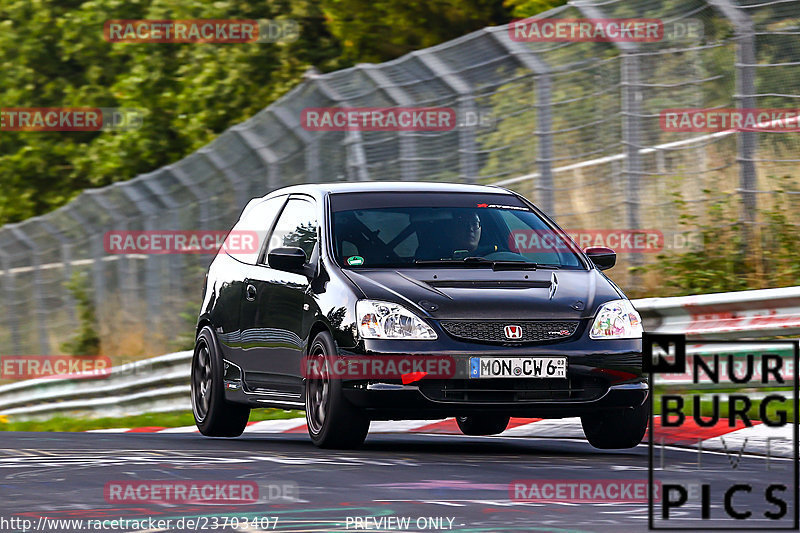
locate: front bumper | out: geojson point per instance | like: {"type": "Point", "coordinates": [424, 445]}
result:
{"type": "Point", "coordinates": [392, 401]}
{"type": "Point", "coordinates": [611, 379]}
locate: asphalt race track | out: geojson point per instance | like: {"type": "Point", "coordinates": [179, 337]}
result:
{"type": "Point", "coordinates": [453, 483]}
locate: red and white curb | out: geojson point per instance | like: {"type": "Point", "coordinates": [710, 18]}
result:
{"type": "Point", "coordinates": [758, 439]}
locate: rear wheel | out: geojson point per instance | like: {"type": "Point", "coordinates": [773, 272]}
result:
{"type": "Point", "coordinates": [617, 428]}
{"type": "Point", "coordinates": [482, 424]}
{"type": "Point", "coordinates": [332, 421]}
{"type": "Point", "coordinates": [213, 415]}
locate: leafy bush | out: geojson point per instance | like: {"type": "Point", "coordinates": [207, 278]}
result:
{"type": "Point", "coordinates": [733, 256]}
{"type": "Point", "coordinates": [86, 340]}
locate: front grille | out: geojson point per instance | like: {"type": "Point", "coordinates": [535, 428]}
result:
{"type": "Point", "coordinates": [494, 331]}
{"type": "Point", "coordinates": [512, 390]}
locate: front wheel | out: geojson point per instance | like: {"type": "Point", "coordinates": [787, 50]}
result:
{"type": "Point", "coordinates": [482, 424]}
{"type": "Point", "coordinates": [213, 416]}
{"type": "Point", "coordinates": [617, 428]}
{"type": "Point", "coordinates": [332, 421]}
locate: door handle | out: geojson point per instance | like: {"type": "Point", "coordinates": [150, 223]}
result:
{"type": "Point", "coordinates": [250, 292]}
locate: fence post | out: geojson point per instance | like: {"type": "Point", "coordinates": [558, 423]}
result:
{"type": "Point", "coordinates": [631, 111]}
{"type": "Point", "coordinates": [408, 148]}
{"type": "Point", "coordinates": [353, 140]}
{"type": "Point", "coordinates": [123, 271]}
{"type": "Point", "coordinates": [631, 136]}
{"type": "Point", "coordinates": [98, 252]}
{"type": "Point", "coordinates": [172, 263]}
{"type": "Point", "coordinates": [239, 184]}
{"type": "Point", "coordinates": [185, 180]}
{"type": "Point", "coordinates": [10, 289]}
{"type": "Point", "coordinates": [66, 262]}
{"type": "Point", "coordinates": [745, 99]}
{"type": "Point", "coordinates": [466, 104]}
{"type": "Point", "coordinates": [311, 142]}
{"type": "Point", "coordinates": [544, 115]}
{"type": "Point", "coordinates": [267, 156]}
{"type": "Point", "coordinates": [38, 297]}
{"type": "Point", "coordinates": [151, 288]}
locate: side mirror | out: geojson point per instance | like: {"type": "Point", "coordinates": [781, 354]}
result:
{"type": "Point", "coordinates": [291, 259]}
{"type": "Point", "coordinates": [603, 258]}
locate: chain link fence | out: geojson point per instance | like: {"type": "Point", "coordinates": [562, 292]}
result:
{"type": "Point", "coordinates": [574, 126]}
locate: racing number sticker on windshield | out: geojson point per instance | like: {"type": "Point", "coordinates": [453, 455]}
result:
{"type": "Point", "coordinates": [501, 206]}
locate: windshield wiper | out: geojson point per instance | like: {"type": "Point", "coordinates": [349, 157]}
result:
{"type": "Point", "coordinates": [482, 261]}
{"type": "Point", "coordinates": [511, 264]}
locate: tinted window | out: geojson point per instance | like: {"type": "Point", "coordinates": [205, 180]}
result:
{"type": "Point", "coordinates": [403, 229]}
{"type": "Point", "coordinates": [254, 224]}
{"type": "Point", "coordinates": [296, 227]}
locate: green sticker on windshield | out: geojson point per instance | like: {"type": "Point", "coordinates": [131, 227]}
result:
{"type": "Point", "coordinates": [355, 260]}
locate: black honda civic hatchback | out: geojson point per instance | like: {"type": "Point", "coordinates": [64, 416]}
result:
{"type": "Point", "coordinates": [395, 301]}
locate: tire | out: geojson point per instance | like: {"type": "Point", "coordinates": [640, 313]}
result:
{"type": "Point", "coordinates": [618, 428]}
{"type": "Point", "coordinates": [332, 421]}
{"type": "Point", "coordinates": [213, 416]}
{"type": "Point", "coordinates": [482, 424]}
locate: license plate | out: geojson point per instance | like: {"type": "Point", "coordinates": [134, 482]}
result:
{"type": "Point", "coordinates": [517, 367]}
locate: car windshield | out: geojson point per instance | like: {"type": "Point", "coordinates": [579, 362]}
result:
{"type": "Point", "coordinates": [414, 230]}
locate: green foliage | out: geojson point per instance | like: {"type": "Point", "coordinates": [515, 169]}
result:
{"type": "Point", "coordinates": [159, 420]}
{"type": "Point", "coordinates": [53, 54]}
{"type": "Point", "coordinates": [86, 340]}
{"type": "Point", "coordinates": [185, 338]}
{"type": "Point", "coordinates": [528, 8]}
{"type": "Point", "coordinates": [725, 263]}
{"type": "Point", "coordinates": [375, 31]}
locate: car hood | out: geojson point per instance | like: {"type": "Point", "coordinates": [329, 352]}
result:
{"type": "Point", "coordinates": [481, 293]}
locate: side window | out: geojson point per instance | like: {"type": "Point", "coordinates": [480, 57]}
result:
{"type": "Point", "coordinates": [244, 241]}
{"type": "Point", "coordinates": [297, 226]}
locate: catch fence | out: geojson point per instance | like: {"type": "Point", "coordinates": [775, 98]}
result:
{"type": "Point", "coordinates": [575, 126]}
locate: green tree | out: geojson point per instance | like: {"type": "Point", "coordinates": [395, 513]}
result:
{"type": "Point", "coordinates": [53, 54]}
{"type": "Point", "coordinates": [376, 31]}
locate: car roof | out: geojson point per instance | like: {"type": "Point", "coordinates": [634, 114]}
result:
{"type": "Point", "coordinates": [321, 189]}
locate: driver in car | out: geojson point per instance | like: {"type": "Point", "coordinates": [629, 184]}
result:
{"type": "Point", "coordinates": [466, 234]}
{"type": "Point", "coordinates": [466, 240]}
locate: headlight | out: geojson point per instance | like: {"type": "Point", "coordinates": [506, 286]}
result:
{"type": "Point", "coordinates": [617, 319]}
{"type": "Point", "coordinates": [385, 320]}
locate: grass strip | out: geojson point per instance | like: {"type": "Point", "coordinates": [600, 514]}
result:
{"type": "Point", "coordinates": [166, 420]}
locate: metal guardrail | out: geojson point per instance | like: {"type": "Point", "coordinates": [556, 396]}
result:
{"type": "Point", "coordinates": [161, 384]}
{"type": "Point", "coordinates": [158, 384]}
{"type": "Point", "coordinates": [729, 315]}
